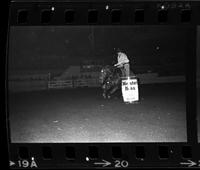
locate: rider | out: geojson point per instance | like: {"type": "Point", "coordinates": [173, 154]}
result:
{"type": "Point", "coordinates": [123, 62]}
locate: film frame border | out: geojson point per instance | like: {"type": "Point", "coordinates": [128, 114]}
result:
{"type": "Point", "coordinates": [175, 151]}
{"type": "Point", "coordinates": [125, 12]}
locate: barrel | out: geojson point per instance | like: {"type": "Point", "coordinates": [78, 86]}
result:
{"type": "Point", "coordinates": [130, 91]}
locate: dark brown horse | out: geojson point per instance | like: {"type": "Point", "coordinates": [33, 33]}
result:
{"type": "Point", "coordinates": [110, 79]}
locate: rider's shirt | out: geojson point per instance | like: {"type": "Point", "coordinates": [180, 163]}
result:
{"type": "Point", "coordinates": [122, 58]}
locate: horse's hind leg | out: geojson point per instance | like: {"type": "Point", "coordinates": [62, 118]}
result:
{"type": "Point", "coordinates": [113, 90]}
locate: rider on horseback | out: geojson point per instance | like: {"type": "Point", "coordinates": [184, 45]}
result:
{"type": "Point", "coordinates": [123, 63]}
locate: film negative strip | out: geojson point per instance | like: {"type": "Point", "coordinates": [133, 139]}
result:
{"type": "Point", "coordinates": [103, 84]}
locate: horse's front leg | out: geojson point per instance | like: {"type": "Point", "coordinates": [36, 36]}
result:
{"type": "Point", "coordinates": [104, 94]}
{"type": "Point", "coordinates": [103, 91]}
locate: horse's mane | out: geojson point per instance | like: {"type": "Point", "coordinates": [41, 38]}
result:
{"type": "Point", "coordinates": [112, 69]}
{"type": "Point", "coordinates": [116, 70]}
{"type": "Point", "coordinates": [108, 67]}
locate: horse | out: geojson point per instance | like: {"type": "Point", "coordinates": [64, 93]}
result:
{"type": "Point", "coordinates": [110, 79]}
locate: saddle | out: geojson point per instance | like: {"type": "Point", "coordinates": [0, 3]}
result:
{"type": "Point", "coordinates": [122, 73]}
{"type": "Point", "coordinates": [119, 71]}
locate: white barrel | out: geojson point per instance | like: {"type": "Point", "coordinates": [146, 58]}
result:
{"type": "Point", "coordinates": [130, 90]}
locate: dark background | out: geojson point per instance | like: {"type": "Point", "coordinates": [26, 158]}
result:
{"type": "Point", "coordinates": [60, 46]}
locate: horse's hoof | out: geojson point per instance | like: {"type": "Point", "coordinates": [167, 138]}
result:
{"type": "Point", "coordinates": [127, 103]}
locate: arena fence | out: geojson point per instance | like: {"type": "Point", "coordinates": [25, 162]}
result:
{"type": "Point", "coordinates": [60, 84]}
{"type": "Point", "coordinates": [43, 82]}
{"type": "Point", "coordinates": [54, 84]}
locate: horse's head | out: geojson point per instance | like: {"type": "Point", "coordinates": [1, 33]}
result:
{"type": "Point", "coordinates": [104, 74]}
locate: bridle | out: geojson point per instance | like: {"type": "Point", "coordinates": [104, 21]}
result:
{"type": "Point", "coordinates": [109, 75]}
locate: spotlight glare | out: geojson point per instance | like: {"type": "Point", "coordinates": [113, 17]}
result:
{"type": "Point", "coordinates": [52, 8]}
{"type": "Point", "coordinates": [87, 159]}
{"type": "Point", "coordinates": [107, 7]}
{"type": "Point", "coordinates": [162, 7]}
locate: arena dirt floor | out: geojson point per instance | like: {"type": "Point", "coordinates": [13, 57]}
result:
{"type": "Point", "coordinates": [82, 115]}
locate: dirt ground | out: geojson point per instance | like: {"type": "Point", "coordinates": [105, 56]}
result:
{"type": "Point", "coordinates": [82, 115]}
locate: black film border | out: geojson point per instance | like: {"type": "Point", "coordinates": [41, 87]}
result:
{"type": "Point", "coordinates": [113, 13]}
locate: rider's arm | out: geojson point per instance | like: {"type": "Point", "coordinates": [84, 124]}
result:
{"type": "Point", "coordinates": [119, 60]}
{"type": "Point", "coordinates": [122, 58]}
